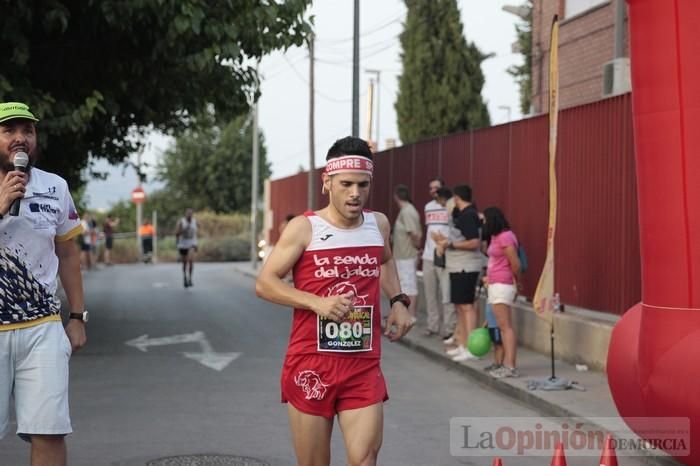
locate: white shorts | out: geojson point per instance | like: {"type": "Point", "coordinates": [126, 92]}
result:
{"type": "Point", "coordinates": [35, 361]}
{"type": "Point", "coordinates": [502, 293]}
{"type": "Point", "coordinates": [407, 276]}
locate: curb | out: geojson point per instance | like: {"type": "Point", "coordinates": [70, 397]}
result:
{"type": "Point", "coordinates": [546, 407]}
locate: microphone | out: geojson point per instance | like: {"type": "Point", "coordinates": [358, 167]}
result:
{"type": "Point", "coordinates": [21, 162]}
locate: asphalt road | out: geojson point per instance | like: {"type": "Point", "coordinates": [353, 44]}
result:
{"type": "Point", "coordinates": [205, 380]}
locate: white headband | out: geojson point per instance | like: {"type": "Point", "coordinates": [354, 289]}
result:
{"type": "Point", "coordinates": [350, 163]}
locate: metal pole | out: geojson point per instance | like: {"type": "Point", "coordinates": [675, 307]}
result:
{"type": "Point", "coordinates": [356, 71]}
{"type": "Point", "coordinates": [254, 194]}
{"type": "Point", "coordinates": [139, 209]}
{"type": "Point", "coordinates": [311, 194]}
{"type": "Point", "coordinates": [370, 101]}
{"type": "Point", "coordinates": [619, 28]}
{"type": "Point", "coordinates": [379, 73]}
{"type": "Point", "coordinates": [155, 235]}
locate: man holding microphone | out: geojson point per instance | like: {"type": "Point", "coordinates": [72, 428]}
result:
{"type": "Point", "coordinates": [36, 245]}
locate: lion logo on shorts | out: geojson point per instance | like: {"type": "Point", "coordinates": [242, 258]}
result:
{"type": "Point", "coordinates": [310, 382]}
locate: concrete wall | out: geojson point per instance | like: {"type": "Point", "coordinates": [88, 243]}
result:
{"type": "Point", "coordinates": [581, 336]}
{"type": "Point", "coordinates": [578, 338]}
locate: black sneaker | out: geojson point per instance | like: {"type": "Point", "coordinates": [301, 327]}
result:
{"type": "Point", "coordinates": [186, 283]}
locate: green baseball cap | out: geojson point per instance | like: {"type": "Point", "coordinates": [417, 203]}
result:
{"type": "Point", "coordinates": [12, 110]}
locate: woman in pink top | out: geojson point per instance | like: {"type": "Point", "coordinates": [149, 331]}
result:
{"type": "Point", "coordinates": [502, 274]}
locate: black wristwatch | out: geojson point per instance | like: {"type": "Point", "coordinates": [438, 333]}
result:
{"type": "Point", "coordinates": [82, 316]}
{"type": "Point", "coordinates": [400, 298]}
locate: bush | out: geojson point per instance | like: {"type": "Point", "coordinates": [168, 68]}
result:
{"type": "Point", "coordinates": [221, 249]}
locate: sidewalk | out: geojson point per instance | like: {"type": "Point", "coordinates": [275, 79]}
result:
{"type": "Point", "coordinates": [595, 402]}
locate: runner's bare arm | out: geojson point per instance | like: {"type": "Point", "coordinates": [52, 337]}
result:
{"type": "Point", "coordinates": [178, 231]}
{"type": "Point", "coordinates": [271, 286]}
{"type": "Point", "coordinates": [399, 322]}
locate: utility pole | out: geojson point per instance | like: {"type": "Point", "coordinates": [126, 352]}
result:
{"type": "Point", "coordinates": [311, 193]}
{"type": "Point", "coordinates": [154, 216]}
{"type": "Point", "coordinates": [356, 71]}
{"type": "Point", "coordinates": [378, 74]}
{"type": "Point", "coordinates": [254, 192]}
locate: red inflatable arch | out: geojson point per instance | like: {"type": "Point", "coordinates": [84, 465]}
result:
{"type": "Point", "coordinates": [654, 356]}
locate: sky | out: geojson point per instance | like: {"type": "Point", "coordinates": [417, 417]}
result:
{"type": "Point", "coordinates": [284, 102]}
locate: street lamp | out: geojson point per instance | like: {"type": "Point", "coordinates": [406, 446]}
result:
{"type": "Point", "coordinates": [507, 109]}
{"type": "Point", "coordinates": [521, 11]}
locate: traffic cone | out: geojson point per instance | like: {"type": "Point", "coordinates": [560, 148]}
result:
{"type": "Point", "coordinates": [559, 459]}
{"type": "Point", "coordinates": [497, 462]}
{"type": "Point", "coordinates": [608, 458]}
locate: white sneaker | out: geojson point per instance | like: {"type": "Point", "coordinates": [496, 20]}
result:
{"type": "Point", "coordinates": [449, 341]}
{"type": "Point", "coordinates": [454, 351]}
{"type": "Point", "coordinates": [464, 355]}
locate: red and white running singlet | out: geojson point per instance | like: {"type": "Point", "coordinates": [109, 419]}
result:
{"type": "Point", "coordinates": [335, 262]}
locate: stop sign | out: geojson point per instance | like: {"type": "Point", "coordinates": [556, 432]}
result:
{"type": "Point", "coordinates": [138, 195]}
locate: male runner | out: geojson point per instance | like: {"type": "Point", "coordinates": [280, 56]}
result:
{"type": "Point", "coordinates": [186, 240]}
{"type": "Point", "coordinates": [340, 256]}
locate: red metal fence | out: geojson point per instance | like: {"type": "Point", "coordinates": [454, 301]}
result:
{"type": "Point", "coordinates": [597, 244]}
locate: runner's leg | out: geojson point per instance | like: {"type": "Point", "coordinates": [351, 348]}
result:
{"type": "Point", "coordinates": [48, 450]}
{"type": "Point", "coordinates": [190, 260]}
{"type": "Point", "coordinates": [362, 431]}
{"type": "Point", "coordinates": [311, 436]}
{"type": "Point", "coordinates": [433, 307]}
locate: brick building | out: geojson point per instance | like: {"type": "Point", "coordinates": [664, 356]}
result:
{"type": "Point", "coordinates": [588, 68]}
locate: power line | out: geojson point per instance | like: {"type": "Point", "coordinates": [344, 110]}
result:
{"type": "Point", "coordinates": [279, 70]}
{"type": "Point", "coordinates": [393, 19]}
{"type": "Point", "coordinates": [317, 92]}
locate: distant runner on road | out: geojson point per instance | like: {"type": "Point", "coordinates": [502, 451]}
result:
{"type": "Point", "coordinates": [341, 257]}
{"type": "Point", "coordinates": [186, 239]}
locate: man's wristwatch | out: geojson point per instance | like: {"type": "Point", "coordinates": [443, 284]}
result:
{"type": "Point", "coordinates": [400, 298]}
{"type": "Point", "coordinates": [82, 316]}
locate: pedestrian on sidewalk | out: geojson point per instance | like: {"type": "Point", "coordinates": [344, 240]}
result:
{"type": "Point", "coordinates": [332, 367]}
{"type": "Point", "coordinates": [495, 333]}
{"type": "Point", "coordinates": [85, 241]}
{"type": "Point", "coordinates": [148, 236]}
{"type": "Point", "coordinates": [503, 274]}
{"type": "Point", "coordinates": [406, 237]}
{"type": "Point", "coordinates": [464, 263]}
{"type": "Point", "coordinates": [108, 229]}
{"type": "Point", "coordinates": [35, 246]}
{"type": "Point", "coordinates": [436, 279]}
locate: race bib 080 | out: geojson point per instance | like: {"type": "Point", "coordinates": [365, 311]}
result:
{"type": "Point", "coordinates": [354, 333]}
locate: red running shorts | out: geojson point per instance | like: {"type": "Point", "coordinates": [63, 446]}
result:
{"type": "Point", "coordinates": [325, 385]}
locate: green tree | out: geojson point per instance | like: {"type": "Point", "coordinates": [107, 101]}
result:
{"type": "Point", "coordinates": [209, 167]}
{"type": "Point", "coordinates": [523, 73]}
{"type": "Point", "coordinates": [440, 87]}
{"type": "Point", "coordinates": [99, 73]}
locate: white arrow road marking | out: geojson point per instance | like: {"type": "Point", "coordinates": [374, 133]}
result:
{"type": "Point", "coordinates": [207, 357]}
{"type": "Point", "coordinates": [143, 342]}
{"type": "Point", "coordinates": [216, 361]}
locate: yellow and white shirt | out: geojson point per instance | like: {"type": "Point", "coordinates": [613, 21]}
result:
{"type": "Point", "coordinates": [28, 262]}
